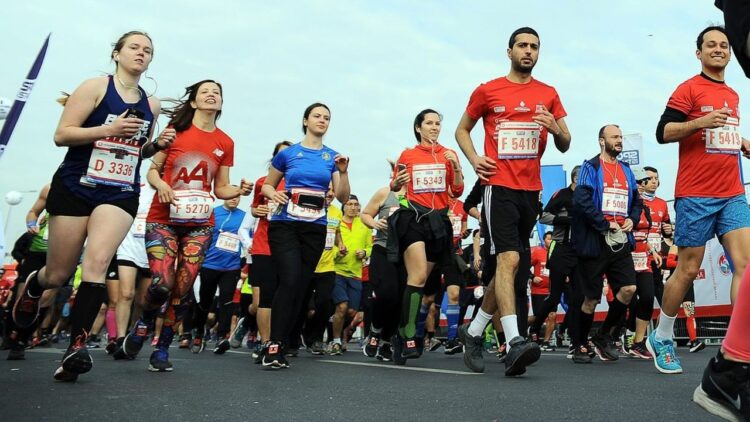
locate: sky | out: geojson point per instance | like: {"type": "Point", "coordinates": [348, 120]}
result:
{"type": "Point", "coordinates": [375, 64]}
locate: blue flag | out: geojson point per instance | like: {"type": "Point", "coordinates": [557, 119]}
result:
{"type": "Point", "coordinates": [23, 95]}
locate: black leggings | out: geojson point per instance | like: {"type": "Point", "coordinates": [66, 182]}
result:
{"type": "Point", "coordinates": [296, 248]}
{"type": "Point", "coordinates": [320, 290]}
{"type": "Point", "coordinates": [388, 282]}
{"type": "Point", "coordinates": [226, 281]}
{"type": "Point", "coordinates": [642, 306]}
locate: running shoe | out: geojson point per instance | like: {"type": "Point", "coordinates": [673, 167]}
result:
{"type": "Point", "coordinates": [663, 352]}
{"type": "Point", "coordinates": [111, 347]}
{"type": "Point", "coordinates": [547, 347]}
{"type": "Point", "coordinates": [639, 350]}
{"type": "Point", "coordinates": [696, 346]}
{"type": "Point", "coordinates": [580, 354]}
{"type": "Point", "coordinates": [119, 353]}
{"type": "Point", "coordinates": [385, 353]}
{"type": "Point", "coordinates": [410, 348]}
{"type": "Point", "coordinates": [397, 347]}
{"type": "Point", "coordinates": [453, 346]}
{"type": "Point", "coordinates": [318, 348]}
{"type": "Point", "coordinates": [221, 347]}
{"type": "Point", "coordinates": [159, 360]}
{"type": "Point", "coordinates": [371, 346]}
{"type": "Point", "coordinates": [291, 352]}
{"type": "Point", "coordinates": [252, 341]}
{"type": "Point", "coordinates": [185, 341]}
{"type": "Point", "coordinates": [521, 353]}
{"type": "Point", "coordinates": [626, 344]}
{"type": "Point", "coordinates": [75, 361]}
{"type": "Point", "coordinates": [604, 347]}
{"type": "Point", "coordinates": [136, 337]}
{"type": "Point", "coordinates": [725, 394]}
{"type": "Point", "coordinates": [534, 337]}
{"type": "Point", "coordinates": [16, 349]}
{"type": "Point", "coordinates": [502, 352]}
{"type": "Point", "coordinates": [473, 347]}
{"type": "Point", "coordinates": [271, 356]}
{"type": "Point", "coordinates": [239, 333]}
{"type": "Point", "coordinates": [94, 342]}
{"type": "Point", "coordinates": [434, 345]}
{"type": "Point", "coordinates": [198, 345]}
{"type": "Point", "coordinates": [26, 308]}
{"type": "Point", "coordinates": [335, 350]}
{"type": "Point", "coordinates": [571, 351]}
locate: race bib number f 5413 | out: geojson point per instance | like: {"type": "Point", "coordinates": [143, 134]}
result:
{"type": "Point", "coordinates": [428, 178]}
{"type": "Point", "coordinates": [191, 206]}
{"type": "Point", "coordinates": [113, 163]}
{"type": "Point", "coordinates": [518, 140]}
{"type": "Point", "coordinates": [725, 139]}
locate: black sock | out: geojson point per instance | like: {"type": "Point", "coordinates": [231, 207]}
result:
{"type": "Point", "coordinates": [33, 288]}
{"type": "Point", "coordinates": [89, 299]}
{"type": "Point", "coordinates": [586, 321]}
{"type": "Point", "coordinates": [617, 310]}
{"type": "Point", "coordinates": [723, 364]}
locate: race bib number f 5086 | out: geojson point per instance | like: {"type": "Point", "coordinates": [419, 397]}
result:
{"type": "Point", "coordinates": [113, 163]}
{"type": "Point", "coordinates": [725, 139]}
{"type": "Point", "coordinates": [428, 178]}
{"type": "Point", "coordinates": [615, 201]}
{"type": "Point", "coordinates": [518, 140]}
{"type": "Point", "coordinates": [191, 206]}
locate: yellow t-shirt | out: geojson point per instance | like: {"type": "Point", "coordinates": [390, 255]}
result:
{"type": "Point", "coordinates": [329, 253]}
{"type": "Point", "coordinates": [357, 237]}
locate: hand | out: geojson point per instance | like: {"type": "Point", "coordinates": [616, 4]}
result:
{"type": "Point", "coordinates": [546, 119]}
{"type": "Point", "coordinates": [451, 156]}
{"type": "Point", "coordinates": [243, 275]}
{"type": "Point", "coordinates": [124, 127]}
{"type": "Point", "coordinates": [477, 263]}
{"type": "Point", "coordinates": [245, 187]}
{"type": "Point", "coordinates": [166, 138]}
{"type": "Point", "coordinates": [484, 167]}
{"type": "Point", "coordinates": [666, 228]}
{"type": "Point", "coordinates": [165, 194]}
{"type": "Point", "coordinates": [402, 178]}
{"type": "Point", "coordinates": [381, 224]}
{"type": "Point", "coordinates": [627, 225]}
{"type": "Point", "coordinates": [261, 210]}
{"type": "Point", "coordinates": [343, 251]}
{"type": "Point", "coordinates": [714, 119]}
{"type": "Point", "coordinates": [613, 227]}
{"type": "Point", "coordinates": [360, 254]}
{"type": "Point", "coordinates": [657, 258]}
{"type": "Point", "coordinates": [745, 148]}
{"type": "Point", "coordinates": [32, 227]}
{"type": "Point", "coordinates": [280, 197]}
{"type": "Point", "coordinates": [537, 280]}
{"type": "Point", "coordinates": [342, 163]}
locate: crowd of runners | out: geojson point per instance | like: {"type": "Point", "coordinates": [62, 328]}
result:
{"type": "Point", "coordinates": [156, 263]}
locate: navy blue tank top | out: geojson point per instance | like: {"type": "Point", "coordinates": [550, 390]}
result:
{"type": "Point", "coordinates": [108, 168]}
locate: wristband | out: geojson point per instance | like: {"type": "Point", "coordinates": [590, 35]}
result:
{"type": "Point", "coordinates": [31, 224]}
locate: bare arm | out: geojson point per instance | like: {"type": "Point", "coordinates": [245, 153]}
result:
{"type": "Point", "coordinates": [222, 188]}
{"type": "Point", "coordinates": [370, 210]}
{"type": "Point", "coordinates": [269, 186]}
{"type": "Point", "coordinates": [483, 166]}
{"type": "Point", "coordinates": [36, 209]}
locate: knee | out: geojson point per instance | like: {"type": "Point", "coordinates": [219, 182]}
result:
{"type": "Point", "coordinates": [126, 296]}
{"type": "Point", "coordinates": [689, 270]}
{"type": "Point", "coordinates": [56, 277]}
{"type": "Point", "coordinates": [626, 293]}
{"type": "Point", "coordinates": [589, 305]}
{"type": "Point", "coordinates": [341, 308]}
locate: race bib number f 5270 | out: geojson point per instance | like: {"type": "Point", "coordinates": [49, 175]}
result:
{"type": "Point", "coordinates": [518, 140]}
{"type": "Point", "coordinates": [428, 178]}
{"type": "Point", "coordinates": [725, 139]}
{"type": "Point", "coordinates": [191, 206]}
{"type": "Point", "coordinates": [113, 163]}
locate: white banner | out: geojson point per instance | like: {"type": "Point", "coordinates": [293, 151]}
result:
{"type": "Point", "coordinates": [632, 149]}
{"type": "Point", "coordinates": [714, 281]}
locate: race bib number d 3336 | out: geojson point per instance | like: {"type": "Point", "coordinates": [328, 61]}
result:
{"type": "Point", "coordinates": [113, 163]}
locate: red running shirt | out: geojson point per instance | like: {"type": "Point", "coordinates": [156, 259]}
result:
{"type": "Point", "coordinates": [709, 159]}
{"type": "Point", "coordinates": [641, 256]}
{"type": "Point", "coordinates": [539, 262]}
{"type": "Point", "coordinates": [431, 174]}
{"type": "Point", "coordinates": [659, 214]}
{"type": "Point", "coordinates": [511, 137]}
{"type": "Point", "coordinates": [260, 234]}
{"type": "Point", "coordinates": [192, 162]}
{"type": "Point", "coordinates": [457, 216]}
{"type": "Point", "coordinates": [615, 198]}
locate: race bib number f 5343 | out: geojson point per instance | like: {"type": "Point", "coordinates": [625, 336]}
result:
{"type": "Point", "coordinates": [518, 140]}
{"type": "Point", "coordinates": [428, 178]}
{"type": "Point", "coordinates": [191, 206]}
{"type": "Point", "coordinates": [725, 139]}
{"type": "Point", "coordinates": [113, 163]}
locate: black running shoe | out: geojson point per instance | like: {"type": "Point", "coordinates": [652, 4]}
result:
{"type": "Point", "coordinates": [136, 337]}
{"type": "Point", "coordinates": [473, 348]}
{"type": "Point", "coordinates": [385, 353]}
{"type": "Point", "coordinates": [605, 347]}
{"type": "Point", "coordinates": [257, 353]}
{"type": "Point", "coordinates": [453, 346]}
{"type": "Point", "coordinates": [521, 353]}
{"type": "Point", "coordinates": [26, 308]}
{"type": "Point", "coordinates": [696, 346]}
{"type": "Point", "coordinates": [272, 356]}
{"type": "Point", "coordinates": [371, 346]}
{"type": "Point", "coordinates": [75, 361]}
{"type": "Point", "coordinates": [119, 353]}
{"type": "Point", "coordinates": [397, 347]}
{"type": "Point", "coordinates": [581, 354]}
{"type": "Point", "coordinates": [221, 347]}
{"type": "Point", "coordinates": [111, 347]}
{"type": "Point", "coordinates": [410, 348]}
{"type": "Point", "coordinates": [725, 394]}
{"type": "Point", "coordinates": [17, 351]}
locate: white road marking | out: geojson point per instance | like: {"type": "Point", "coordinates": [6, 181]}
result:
{"type": "Point", "coordinates": [404, 368]}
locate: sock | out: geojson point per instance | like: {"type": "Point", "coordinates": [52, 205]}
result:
{"type": "Point", "coordinates": [586, 321]}
{"type": "Point", "coordinates": [337, 340]}
{"type": "Point", "coordinates": [616, 311]}
{"type": "Point", "coordinates": [665, 329]}
{"type": "Point", "coordinates": [111, 321]}
{"type": "Point", "coordinates": [33, 288]}
{"type": "Point", "coordinates": [500, 337]}
{"type": "Point", "coordinates": [692, 328]}
{"type": "Point", "coordinates": [89, 300]}
{"type": "Point", "coordinates": [510, 327]}
{"type": "Point", "coordinates": [476, 328]}
{"type": "Point", "coordinates": [424, 311]}
{"type": "Point", "coordinates": [452, 315]}
{"type": "Point", "coordinates": [410, 307]}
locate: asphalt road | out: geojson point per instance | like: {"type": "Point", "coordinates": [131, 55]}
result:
{"type": "Point", "coordinates": [435, 387]}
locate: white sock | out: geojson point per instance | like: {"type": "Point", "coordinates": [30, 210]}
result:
{"type": "Point", "coordinates": [665, 329]}
{"type": "Point", "coordinates": [479, 323]}
{"type": "Point", "coordinates": [336, 341]}
{"type": "Point", "coordinates": [510, 327]}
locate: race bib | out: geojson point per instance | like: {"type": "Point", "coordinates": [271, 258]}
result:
{"type": "Point", "coordinates": [228, 242]}
{"type": "Point", "coordinates": [518, 140]}
{"type": "Point", "coordinates": [615, 201]}
{"type": "Point", "coordinates": [139, 225]}
{"type": "Point", "coordinates": [192, 206]}
{"type": "Point", "coordinates": [545, 270]}
{"type": "Point", "coordinates": [303, 213]}
{"type": "Point", "coordinates": [725, 139]}
{"type": "Point", "coordinates": [456, 223]}
{"type": "Point", "coordinates": [428, 178]}
{"type": "Point", "coordinates": [113, 163]}
{"type": "Point", "coordinates": [272, 207]}
{"type": "Point", "coordinates": [330, 238]}
{"type": "Point", "coordinates": [654, 241]}
{"type": "Point", "coordinates": [640, 260]}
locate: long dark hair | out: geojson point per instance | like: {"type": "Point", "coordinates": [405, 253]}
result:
{"type": "Point", "coordinates": [181, 115]}
{"type": "Point", "coordinates": [309, 110]}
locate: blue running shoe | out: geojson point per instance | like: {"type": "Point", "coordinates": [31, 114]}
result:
{"type": "Point", "coordinates": [159, 361]}
{"type": "Point", "coordinates": [136, 337]}
{"type": "Point", "coordinates": [665, 358]}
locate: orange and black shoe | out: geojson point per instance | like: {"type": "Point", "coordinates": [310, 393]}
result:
{"type": "Point", "coordinates": [75, 361]}
{"type": "Point", "coordinates": [26, 308]}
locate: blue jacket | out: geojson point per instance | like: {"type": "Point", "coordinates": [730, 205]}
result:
{"type": "Point", "coordinates": [588, 224]}
{"type": "Point", "coordinates": [220, 259]}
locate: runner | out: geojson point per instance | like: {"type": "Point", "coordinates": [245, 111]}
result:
{"type": "Point", "coordinates": [540, 290]}
{"type": "Point", "coordinates": [510, 172]}
{"type": "Point", "coordinates": [702, 115]}
{"type": "Point", "coordinates": [453, 274]}
{"type": "Point", "coordinates": [106, 124]}
{"type": "Point", "coordinates": [180, 221]}
{"type": "Point", "coordinates": [420, 230]}
{"type": "Point", "coordinates": [297, 232]}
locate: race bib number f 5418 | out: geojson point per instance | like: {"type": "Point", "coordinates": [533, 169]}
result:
{"type": "Point", "coordinates": [428, 178]}
{"type": "Point", "coordinates": [113, 163]}
{"type": "Point", "coordinates": [518, 140]}
{"type": "Point", "coordinates": [191, 206]}
{"type": "Point", "coordinates": [725, 139]}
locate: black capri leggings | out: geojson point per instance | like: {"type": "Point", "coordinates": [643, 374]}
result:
{"type": "Point", "coordinates": [226, 281]}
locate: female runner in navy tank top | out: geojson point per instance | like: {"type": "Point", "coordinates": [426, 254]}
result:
{"type": "Point", "coordinates": [106, 124]}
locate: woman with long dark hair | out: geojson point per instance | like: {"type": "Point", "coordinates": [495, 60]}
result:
{"type": "Point", "coordinates": [180, 221]}
{"type": "Point", "coordinates": [297, 231]}
{"type": "Point", "coordinates": [106, 125]}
